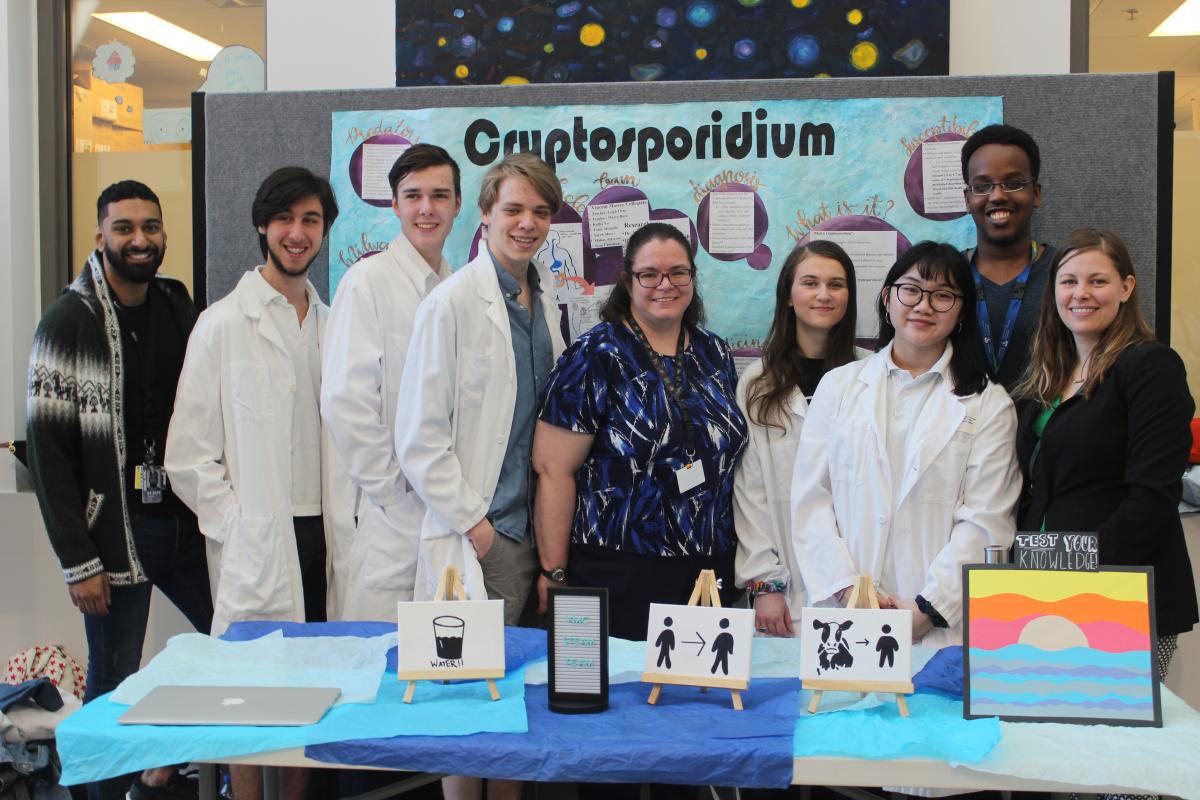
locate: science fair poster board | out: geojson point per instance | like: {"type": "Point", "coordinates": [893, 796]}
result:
{"type": "Point", "coordinates": [745, 181]}
{"type": "Point", "coordinates": [1060, 646]}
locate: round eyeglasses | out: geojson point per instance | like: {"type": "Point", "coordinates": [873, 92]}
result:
{"type": "Point", "coordinates": [652, 280]}
{"type": "Point", "coordinates": [939, 299]}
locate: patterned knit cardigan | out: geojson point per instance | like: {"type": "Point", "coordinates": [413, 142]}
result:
{"type": "Point", "coordinates": [76, 426]}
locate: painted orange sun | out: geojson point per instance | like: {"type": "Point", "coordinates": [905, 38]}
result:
{"type": "Point", "coordinates": [1051, 633]}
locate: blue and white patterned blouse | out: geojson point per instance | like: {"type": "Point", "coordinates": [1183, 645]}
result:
{"type": "Point", "coordinates": [627, 494]}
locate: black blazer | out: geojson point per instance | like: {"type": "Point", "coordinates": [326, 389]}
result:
{"type": "Point", "coordinates": [1113, 464]}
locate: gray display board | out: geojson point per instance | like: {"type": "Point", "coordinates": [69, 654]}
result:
{"type": "Point", "coordinates": [1105, 142]}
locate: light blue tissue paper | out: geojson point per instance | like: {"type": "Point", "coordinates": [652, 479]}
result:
{"type": "Point", "coordinates": [92, 749]}
{"type": "Point", "coordinates": [353, 664]}
{"type": "Point", "coordinates": [935, 728]}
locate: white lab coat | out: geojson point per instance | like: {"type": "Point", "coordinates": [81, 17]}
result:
{"type": "Point", "coordinates": [958, 495]}
{"type": "Point", "coordinates": [228, 457]}
{"type": "Point", "coordinates": [366, 344]}
{"type": "Point", "coordinates": [459, 390]}
{"type": "Point", "coordinates": [762, 489]}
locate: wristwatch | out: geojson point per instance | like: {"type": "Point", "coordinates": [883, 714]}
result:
{"type": "Point", "coordinates": [558, 574]}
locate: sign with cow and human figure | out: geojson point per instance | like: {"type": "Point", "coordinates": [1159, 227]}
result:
{"type": "Point", "coordinates": [855, 644]}
{"type": "Point", "coordinates": [860, 648]}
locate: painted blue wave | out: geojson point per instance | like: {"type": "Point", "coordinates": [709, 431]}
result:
{"type": "Point", "coordinates": [1081, 673]}
{"type": "Point", "coordinates": [1071, 656]}
{"type": "Point", "coordinates": [1070, 698]}
{"type": "Point", "coordinates": [1065, 677]}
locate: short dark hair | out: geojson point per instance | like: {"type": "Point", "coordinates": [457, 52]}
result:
{"type": "Point", "coordinates": [124, 190]}
{"type": "Point", "coordinates": [419, 157]}
{"type": "Point", "coordinates": [939, 261]}
{"type": "Point", "coordinates": [281, 189]}
{"type": "Point", "coordinates": [616, 308]}
{"type": "Point", "coordinates": [1002, 134]}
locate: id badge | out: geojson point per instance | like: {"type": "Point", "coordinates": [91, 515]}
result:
{"type": "Point", "coordinates": [690, 476]}
{"type": "Point", "coordinates": [153, 481]}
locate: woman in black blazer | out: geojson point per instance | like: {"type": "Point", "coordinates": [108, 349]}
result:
{"type": "Point", "coordinates": [1103, 437]}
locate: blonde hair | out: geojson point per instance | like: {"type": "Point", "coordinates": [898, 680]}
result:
{"type": "Point", "coordinates": [1054, 355]}
{"type": "Point", "coordinates": [521, 165]}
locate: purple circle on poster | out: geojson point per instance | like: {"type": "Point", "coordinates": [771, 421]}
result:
{"type": "Point", "coordinates": [356, 164]}
{"type": "Point", "coordinates": [859, 222]}
{"type": "Point", "coordinates": [760, 256]}
{"type": "Point", "coordinates": [914, 186]}
{"type": "Point", "coordinates": [601, 265]}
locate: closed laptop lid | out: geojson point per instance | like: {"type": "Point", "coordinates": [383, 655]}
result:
{"type": "Point", "coordinates": [232, 705]}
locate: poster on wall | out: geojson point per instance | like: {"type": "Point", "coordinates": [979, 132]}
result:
{"type": "Point", "coordinates": [745, 181]}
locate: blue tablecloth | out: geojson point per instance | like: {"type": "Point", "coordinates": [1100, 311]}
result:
{"type": "Point", "coordinates": [688, 736]}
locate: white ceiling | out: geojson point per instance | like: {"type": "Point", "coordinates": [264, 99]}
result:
{"type": "Point", "coordinates": [1121, 44]}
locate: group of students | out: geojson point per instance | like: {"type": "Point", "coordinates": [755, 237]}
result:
{"type": "Point", "coordinates": [277, 459]}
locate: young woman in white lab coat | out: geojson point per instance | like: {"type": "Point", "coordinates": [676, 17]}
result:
{"type": "Point", "coordinates": [812, 332]}
{"type": "Point", "coordinates": [907, 465]}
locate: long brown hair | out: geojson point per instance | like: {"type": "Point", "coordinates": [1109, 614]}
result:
{"type": "Point", "coordinates": [782, 359]}
{"type": "Point", "coordinates": [1054, 354]}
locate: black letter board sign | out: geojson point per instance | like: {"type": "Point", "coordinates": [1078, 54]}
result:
{"type": "Point", "coordinates": [578, 650]}
{"type": "Point", "coordinates": [1056, 550]}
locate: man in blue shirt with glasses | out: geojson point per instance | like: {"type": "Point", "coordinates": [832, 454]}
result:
{"type": "Point", "coordinates": [1001, 166]}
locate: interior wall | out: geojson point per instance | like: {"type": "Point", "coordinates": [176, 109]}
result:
{"type": "Point", "coordinates": [316, 44]}
{"type": "Point", "coordinates": [1016, 37]}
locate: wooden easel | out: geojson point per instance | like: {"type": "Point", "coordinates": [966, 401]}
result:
{"type": "Point", "coordinates": [705, 594]}
{"type": "Point", "coordinates": [450, 587]}
{"type": "Point", "coordinates": [861, 596]}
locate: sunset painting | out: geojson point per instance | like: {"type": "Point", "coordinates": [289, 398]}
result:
{"type": "Point", "coordinates": [1060, 646]}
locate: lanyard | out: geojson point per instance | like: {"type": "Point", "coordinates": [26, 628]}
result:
{"type": "Point", "coordinates": [675, 388]}
{"type": "Point", "coordinates": [995, 357]}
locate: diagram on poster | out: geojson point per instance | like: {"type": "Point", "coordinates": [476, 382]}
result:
{"type": "Point", "coordinates": [562, 253]}
{"type": "Point", "coordinates": [706, 645]}
{"type": "Point", "coordinates": [855, 644]}
{"type": "Point", "coordinates": [450, 639]}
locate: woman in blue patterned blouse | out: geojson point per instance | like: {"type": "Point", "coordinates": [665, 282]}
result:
{"type": "Point", "coordinates": [637, 441]}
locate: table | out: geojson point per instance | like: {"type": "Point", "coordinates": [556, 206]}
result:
{"type": "Point", "coordinates": [536, 755]}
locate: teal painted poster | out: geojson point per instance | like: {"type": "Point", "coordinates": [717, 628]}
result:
{"type": "Point", "coordinates": [744, 181]}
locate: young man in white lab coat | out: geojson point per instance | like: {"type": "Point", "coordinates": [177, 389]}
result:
{"type": "Point", "coordinates": [366, 345]}
{"type": "Point", "coordinates": [483, 345]}
{"type": "Point", "coordinates": [246, 450]}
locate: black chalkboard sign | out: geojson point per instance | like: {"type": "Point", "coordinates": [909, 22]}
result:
{"type": "Point", "coordinates": [577, 639]}
{"type": "Point", "coordinates": [1079, 552]}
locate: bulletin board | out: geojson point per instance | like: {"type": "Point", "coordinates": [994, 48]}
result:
{"type": "Point", "coordinates": [1105, 143]}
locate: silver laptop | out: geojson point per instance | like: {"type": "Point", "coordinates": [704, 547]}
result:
{"type": "Point", "coordinates": [231, 705]}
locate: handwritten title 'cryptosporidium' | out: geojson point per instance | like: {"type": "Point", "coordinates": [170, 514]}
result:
{"type": "Point", "coordinates": [483, 141]}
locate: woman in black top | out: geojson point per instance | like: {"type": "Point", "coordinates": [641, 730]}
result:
{"type": "Point", "coordinates": [1104, 434]}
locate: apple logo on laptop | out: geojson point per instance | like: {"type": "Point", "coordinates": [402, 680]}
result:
{"type": "Point", "coordinates": [232, 701]}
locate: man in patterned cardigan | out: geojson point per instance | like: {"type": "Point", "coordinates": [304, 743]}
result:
{"type": "Point", "coordinates": [102, 380]}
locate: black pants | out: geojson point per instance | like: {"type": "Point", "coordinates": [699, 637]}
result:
{"type": "Point", "coordinates": [310, 546]}
{"type": "Point", "coordinates": [634, 581]}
